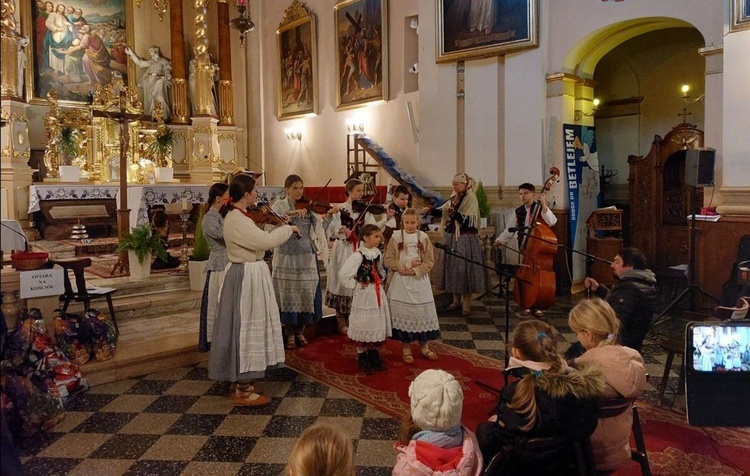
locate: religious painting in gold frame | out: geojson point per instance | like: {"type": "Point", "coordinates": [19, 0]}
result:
{"type": "Point", "coordinates": [361, 52]}
{"type": "Point", "coordinates": [297, 60]}
{"type": "Point", "coordinates": [481, 28]}
{"type": "Point", "coordinates": [74, 51]}
{"type": "Point", "coordinates": [740, 12]}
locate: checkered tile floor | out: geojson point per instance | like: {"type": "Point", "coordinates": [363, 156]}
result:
{"type": "Point", "coordinates": [178, 422]}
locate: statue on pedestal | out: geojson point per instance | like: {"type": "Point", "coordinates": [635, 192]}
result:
{"type": "Point", "coordinates": [156, 81]}
{"type": "Point", "coordinates": [192, 86]}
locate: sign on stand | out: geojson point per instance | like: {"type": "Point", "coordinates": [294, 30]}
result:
{"type": "Point", "coordinates": [42, 282]}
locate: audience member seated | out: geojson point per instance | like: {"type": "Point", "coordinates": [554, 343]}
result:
{"type": "Point", "coordinates": [596, 326]}
{"type": "Point", "coordinates": [322, 450]}
{"type": "Point", "coordinates": [160, 227]}
{"type": "Point", "coordinates": [547, 398]}
{"type": "Point", "coordinates": [432, 440]}
{"type": "Point", "coordinates": [633, 297]}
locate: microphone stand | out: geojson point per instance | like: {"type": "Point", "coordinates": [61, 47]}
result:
{"type": "Point", "coordinates": [505, 272]}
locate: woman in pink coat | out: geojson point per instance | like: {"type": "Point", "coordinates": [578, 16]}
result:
{"type": "Point", "coordinates": [596, 326]}
{"type": "Point", "coordinates": [433, 441]}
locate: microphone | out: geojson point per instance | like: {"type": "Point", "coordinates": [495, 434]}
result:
{"type": "Point", "coordinates": [445, 248]}
{"type": "Point", "coordinates": [514, 229]}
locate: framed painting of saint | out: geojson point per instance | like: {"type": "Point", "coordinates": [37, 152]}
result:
{"type": "Point", "coordinates": [361, 52]}
{"type": "Point", "coordinates": [297, 58]}
{"type": "Point", "coordinates": [75, 45]}
{"type": "Point", "coordinates": [740, 12]}
{"type": "Point", "coordinates": [479, 28]}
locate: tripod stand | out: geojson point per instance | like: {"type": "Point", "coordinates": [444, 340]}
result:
{"type": "Point", "coordinates": [505, 272]}
{"type": "Point", "coordinates": [693, 288]}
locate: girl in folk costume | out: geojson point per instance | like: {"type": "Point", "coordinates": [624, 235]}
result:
{"type": "Point", "coordinates": [369, 321]}
{"type": "Point", "coordinates": [460, 216]}
{"type": "Point", "coordinates": [409, 255]}
{"type": "Point", "coordinates": [213, 230]}
{"type": "Point", "coordinates": [596, 326]}
{"type": "Point", "coordinates": [343, 231]}
{"type": "Point", "coordinates": [296, 280]}
{"type": "Point", "coordinates": [247, 333]}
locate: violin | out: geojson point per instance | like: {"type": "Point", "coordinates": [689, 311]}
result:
{"type": "Point", "coordinates": [315, 206]}
{"type": "Point", "coordinates": [359, 206]}
{"type": "Point", "coordinates": [263, 215]}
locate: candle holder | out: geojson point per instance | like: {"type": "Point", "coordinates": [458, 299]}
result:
{"type": "Point", "coordinates": [184, 217]}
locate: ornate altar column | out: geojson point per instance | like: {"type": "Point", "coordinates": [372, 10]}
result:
{"type": "Point", "coordinates": [205, 136]}
{"type": "Point", "coordinates": [14, 168]}
{"type": "Point", "coordinates": [180, 113]}
{"type": "Point", "coordinates": [226, 95]}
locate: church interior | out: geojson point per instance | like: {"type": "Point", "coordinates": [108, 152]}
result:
{"type": "Point", "coordinates": [630, 116]}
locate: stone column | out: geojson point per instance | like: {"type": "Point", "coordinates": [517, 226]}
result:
{"type": "Point", "coordinates": [180, 113]}
{"type": "Point", "coordinates": [226, 95]}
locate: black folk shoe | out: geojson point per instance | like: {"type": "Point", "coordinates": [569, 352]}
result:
{"type": "Point", "coordinates": [374, 358]}
{"type": "Point", "coordinates": [364, 364]}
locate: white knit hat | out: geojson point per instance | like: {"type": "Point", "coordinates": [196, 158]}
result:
{"type": "Point", "coordinates": [436, 400]}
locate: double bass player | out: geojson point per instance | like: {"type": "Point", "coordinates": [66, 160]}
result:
{"type": "Point", "coordinates": [521, 223]}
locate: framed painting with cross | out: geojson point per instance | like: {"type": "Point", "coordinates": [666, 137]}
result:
{"type": "Point", "coordinates": [361, 52]}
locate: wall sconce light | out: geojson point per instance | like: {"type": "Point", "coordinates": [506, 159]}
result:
{"type": "Point", "coordinates": [578, 114]}
{"type": "Point", "coordinates": [355, 127]}
{"type": "Point", "coordinates": [242, 23]}
{"type": "Point", "coordinates": [293, 134]}
{"type": "Point", "coordinates": [686, 97]}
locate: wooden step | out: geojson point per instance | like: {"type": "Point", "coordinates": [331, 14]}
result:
{"type": "Point", "coordinates": [149, 345]}
{"type": "Point", "coordinates": [147, 305]}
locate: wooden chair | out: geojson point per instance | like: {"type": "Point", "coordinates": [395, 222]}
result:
{"type": "Point", "coordinates": [80, 293]}
{"type": "Point", "coordinates": [612, 407]}
{"type": "Point", "coordinates": [673, 346]}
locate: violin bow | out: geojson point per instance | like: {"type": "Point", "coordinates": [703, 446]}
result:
{"type": "Point", "coordinates": [273, 212]}
{"type": "Point", "coordinates": [321, 191]}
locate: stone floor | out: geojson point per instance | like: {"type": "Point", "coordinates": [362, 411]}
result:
{"type": "Point", "coordinates": [178, 422]}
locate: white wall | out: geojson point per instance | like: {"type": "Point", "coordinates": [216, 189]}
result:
{"type": "Point", "coordinates": [735, 161]}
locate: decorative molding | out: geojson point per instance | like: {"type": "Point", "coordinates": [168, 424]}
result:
{"type": "Point", "coordinates": [736, 201]}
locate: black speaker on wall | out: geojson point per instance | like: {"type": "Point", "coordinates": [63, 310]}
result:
{"type": "Point", "coordinates": [699, 167]}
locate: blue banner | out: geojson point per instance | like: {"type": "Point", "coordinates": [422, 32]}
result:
{"type": "Point", "coordinates": [582, 179]}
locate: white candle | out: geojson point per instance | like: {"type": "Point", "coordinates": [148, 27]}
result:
{"type": "Point", "coordinates": [184, 203]}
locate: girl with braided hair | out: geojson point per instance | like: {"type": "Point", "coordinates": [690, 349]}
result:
{"type": "Point", "coordinates": [546, 399]}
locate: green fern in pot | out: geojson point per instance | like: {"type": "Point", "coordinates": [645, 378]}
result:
{"type": "Point", "coordinates": [143, 242]}
{"type": "Point", "coordinates": [160, 148]}
{"type": "Point", "coordinates": [201, 250]}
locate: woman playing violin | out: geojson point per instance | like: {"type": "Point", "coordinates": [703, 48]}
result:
{"type": "Point", "coordinates": [247, 330]}
{"type": "Point", "coordinates": [460, 217]}
{"type": "Point", "coordinates": [522, 218]}
{"type": "Point", "coordinates": [343, 237]}
{"type": "Point", "coordinates": [296, 280]}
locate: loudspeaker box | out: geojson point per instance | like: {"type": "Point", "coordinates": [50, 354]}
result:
{"type": "Point", "coordinates": [699, 167]}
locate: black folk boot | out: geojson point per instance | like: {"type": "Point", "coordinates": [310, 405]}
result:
{"type": "Point", "coordinates": [374, 357]}
{"type": "Point", "coordinates": [364, 364]}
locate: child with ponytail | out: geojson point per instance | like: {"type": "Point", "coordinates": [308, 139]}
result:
{"type": "Point", "coordinates": [547, 399]}
{"type": "Point", "coordinates": [596, 326]}
{"type": "Point", "coordinates": [369, 320]}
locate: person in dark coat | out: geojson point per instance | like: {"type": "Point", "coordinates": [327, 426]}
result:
{"type": "Point", "coordinates": [548, 399]}
{"type": "Point", "coordinates": [633, 297]}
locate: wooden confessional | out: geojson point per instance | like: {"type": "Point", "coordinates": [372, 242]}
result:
{"type": "Point", "coordinates": [660, 200]}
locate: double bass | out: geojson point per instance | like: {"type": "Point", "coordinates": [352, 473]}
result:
{"type": "Point", "coordinates": [535, 279]}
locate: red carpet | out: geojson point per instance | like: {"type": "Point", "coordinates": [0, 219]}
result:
{"type": "Point", "coordinates": [333, 361]}
{"type": "Point", "coordinates": [674, 447]}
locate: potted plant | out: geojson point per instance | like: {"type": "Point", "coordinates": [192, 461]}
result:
{"type": "Point", "coordinates": [68, 144]}
{"type": "Point", "coordinates": [140, 244]}
{"type": "Point", "coordinates": [199, 258]}
{"type": "Point", "coordinates": [484, 205]}
{"type": "Point", "coordinates": [160, 149]}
